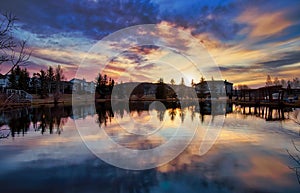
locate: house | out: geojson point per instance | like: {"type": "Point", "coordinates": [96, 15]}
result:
{"type": "Point", "coordinates": [214, 87]}
{"type": "Point", "coordinates": [141, 90]}
{"type": "Point", "coordinates": [82, 86]}
{"type": "Point", "coordinates": [128, 90]}
{"type": "Point", "coordinates": [4, 81]}
{"type": "Point", "coordinates": [228, 88]}
{"type": "Point", "coordinates": [67, 87]}
{"type": "Point", "coordinates": [149, 90]}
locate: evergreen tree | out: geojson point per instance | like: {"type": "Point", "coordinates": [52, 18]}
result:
{"type": "Point", "coordinates": [172, 81]}
{"type": "Point", "coordinates": [19, 79]}
{"type": "Point", "coordinates": [58, 78]}
{"type": "Point", "coordinates": [13, 80]}
{"type": "Point", "coordinates": [202, 80]}
{"type": "Point", "coordinates": [23, 82]}
{"type": "Point", "coordinates": [50, 79]}
{"type": "Point", "coordinates": [182, 82]}
{"type": "Point", "coordinates": [42, 76]}
{"type": "Point", "coordinates": [104, 85]}
{"type": "Point", "coordinates": [161, 90]}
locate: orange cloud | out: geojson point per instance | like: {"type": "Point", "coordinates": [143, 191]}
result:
{"type": "Point", "coordinates": [263, 24]}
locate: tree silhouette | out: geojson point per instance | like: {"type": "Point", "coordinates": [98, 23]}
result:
{"type": "Point", "coordinates": [202, 79]}
{"type": "Point", "coordinates": [104, 85]}
{"type": "Point", "coordinates": [160, 90]}
{"type": "Point", "coordinates": [13, 80]}
{"type": "Point", "coordinates": [192, 83]}
{"type": "Point", "coordinates": [203, 87]}
{"type": "Point", "coordinates": [172, 81]}
{"type": "Point", "coordinates": [58, 77]}
{"type": "Point", "coordinates": [50, 78]}
{"type": "Point", "coordinates": [269, 81]}
{"type": "Point", "coordinates": [242, 87]}
{"type": "Point", "coordinates": [11, 51]}
{"type": "Point", "coordinates": [182, 82]}
{"type": "Point", "coordinates": [42, 77]}
{"type": "Point", "coordinates": [19, 79]}
{"type": "Point", "coordinates": [283, 83]}
{"type": "Point", "coordinates": [276, 81]}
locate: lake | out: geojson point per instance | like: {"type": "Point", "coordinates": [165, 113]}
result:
{"type": "Point", "coordinates": [59, 149]}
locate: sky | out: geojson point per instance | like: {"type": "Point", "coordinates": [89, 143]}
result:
{"type": "Point", "coordinates": [242, 41]}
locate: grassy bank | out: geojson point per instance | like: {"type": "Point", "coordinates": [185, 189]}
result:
{"type": "Point", "coordinates": [67, 99]}
{"type": "Point", "coordinates": [64, 99]}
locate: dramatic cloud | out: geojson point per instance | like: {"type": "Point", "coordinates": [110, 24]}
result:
{"type": "Point", "coordinates": [263, 24]}
{"type": "Point", "coordinates": [286, 58]}
{"type": "Point", "coordinates": [247, 39]}
{"type": "Point", "coordinates": [93, 18]}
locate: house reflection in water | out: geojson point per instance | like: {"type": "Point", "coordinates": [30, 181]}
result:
{"type": "Point", "coordinates": [82, 111]}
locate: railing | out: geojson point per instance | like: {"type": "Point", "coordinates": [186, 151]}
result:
{"type": "Point", "coordinates": [18, 95]}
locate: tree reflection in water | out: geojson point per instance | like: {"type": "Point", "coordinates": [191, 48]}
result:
{"type": "Point", "coordinates": [105, 113]}
{"type": "Point", "coordinates": [43, 119]}
{"type": "Point", "coordinates": [187, 172]}
{"type": "Point", "coordinates": [52, 118]}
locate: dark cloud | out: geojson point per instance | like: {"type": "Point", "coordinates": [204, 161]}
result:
{"type": "Point", "coordinates": [58, 60]}
{"type": "Point", "coordinates": [144, 50]}
{"type": "Point", "coordinates": [35, 67]}
{"type": "Point", "coordinates": [97, 19]}
{"type": "Point", "coordinates": [286, 58]}
{"type": "Point", "coordinates": [223, 69]}
{"type": "Point", "coordinates": [134, 57]}
{"type": "Point", "coordinates": [145, 67]}
{"type": "Point", "coordinates": [138, 54]}
{"type": "Point", "coordinates": [215, 17]}
{"type": "Point", "coordinates": [238, 69]}
{"type": "Point", "coordinates": [94, 18]}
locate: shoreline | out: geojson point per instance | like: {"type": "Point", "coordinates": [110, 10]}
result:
{"type": "Point", "coordinates": [67, 99]}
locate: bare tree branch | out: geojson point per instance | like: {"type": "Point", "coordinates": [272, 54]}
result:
{"type": "Point", "coordinates": [11, 51]}
{"type": "Point", "coordinates": [296, 159]}
{"type": "Point", "coordinates": [19, 58]}
{"type": "Point", "coordinates": [294, 117]}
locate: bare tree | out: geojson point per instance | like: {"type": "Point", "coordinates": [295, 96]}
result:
{"type": "Point", "coordinates": [269, 81]}
{"type": "Point", "coordinates": [172, 81]}
{"type": "Point", "coordinates": [296, 159]}
{"type": "Point", "coordinates": [295, 116]}
{"type": "Point", "coordinates": [192, 83]}
{"type": "Point", "coordinates": [283, 83]}
{"type": "Point", "coordinates": [12, 51]}
{"type": "Point", "coordinates": [182, 82]}
{"type": "Point", "coordinates": [276, 81]}
{"type": "Point", "coordinates": [202, 80]}
{"type": "Point", "coordinates": [242, 87]}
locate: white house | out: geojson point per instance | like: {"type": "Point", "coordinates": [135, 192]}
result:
{"type": "Point", "coordinates": [214, 87]}
{"type": "Point", "coordinates": [4, 82]}
{"type": "Point", "coordinates": [82, 86]}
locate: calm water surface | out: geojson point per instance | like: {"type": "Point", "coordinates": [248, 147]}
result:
{"type": "Point", "coordinates": [42, 151]}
